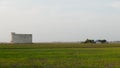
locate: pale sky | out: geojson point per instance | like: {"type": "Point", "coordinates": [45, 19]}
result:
{"type": "Point", "coordinates": [60, 20]}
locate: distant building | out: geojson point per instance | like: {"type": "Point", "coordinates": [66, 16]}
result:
{"type": "Point", "coordinates": [21, 38]}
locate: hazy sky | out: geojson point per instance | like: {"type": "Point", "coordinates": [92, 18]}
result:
{"type": "Point", "coordinates": [60, 20]}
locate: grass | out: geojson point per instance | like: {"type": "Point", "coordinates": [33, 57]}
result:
{"type": "Point", "coordinates": [49, 55]}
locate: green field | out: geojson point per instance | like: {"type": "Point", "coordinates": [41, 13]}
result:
{"type": "Point", "coordinates": [48, 55]}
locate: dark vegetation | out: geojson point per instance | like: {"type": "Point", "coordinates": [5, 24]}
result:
{"type": "Point", "coordinates": [93, 41]}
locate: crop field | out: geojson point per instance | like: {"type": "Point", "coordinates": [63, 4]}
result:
{"type": "Point", "coordinates": [59, 55]}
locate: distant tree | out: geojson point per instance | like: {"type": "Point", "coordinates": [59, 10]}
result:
{"type": "Point", "coordinates": [103, 41]}
{"type": "Point", "coordinates": [89, 41]}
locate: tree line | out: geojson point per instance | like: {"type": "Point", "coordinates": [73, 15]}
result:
{"type": "Point", "coordinates": [95, 41]}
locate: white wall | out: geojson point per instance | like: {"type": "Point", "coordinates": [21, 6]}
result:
{"type": "Point", "coordinates": [21, 38]}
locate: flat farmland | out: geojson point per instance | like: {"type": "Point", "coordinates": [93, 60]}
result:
{"type": "Point", "coordinates": [59, 55]}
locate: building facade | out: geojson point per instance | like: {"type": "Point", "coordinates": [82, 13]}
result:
{"type": "Point", "coordinates": [21, 38]}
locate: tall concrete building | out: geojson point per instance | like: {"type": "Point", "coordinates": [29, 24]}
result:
{"type": "Point", "coordinates": [21, 38]}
